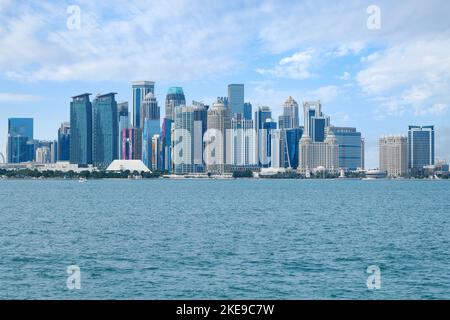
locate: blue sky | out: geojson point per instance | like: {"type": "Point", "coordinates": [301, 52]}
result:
{"type": "Point", "coordinates": [378, 80]}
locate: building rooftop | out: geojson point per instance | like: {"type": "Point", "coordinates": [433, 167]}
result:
{"type": "Point", "coordinates": [175, 90]}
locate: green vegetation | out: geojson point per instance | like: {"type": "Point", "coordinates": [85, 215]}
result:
{"type": "Point", "coordinates": [243, 174]}
{"type": "Point", "coordinates": [35, 174]}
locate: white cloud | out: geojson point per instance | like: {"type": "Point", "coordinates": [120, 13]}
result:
{"type": "Point", "coordinates": [324, 94]}
{"type": "Point", "coordinates": [296, 24]}
{"type": "Point", "coordinates": [157, 40]}
{"type": "Point", "coordinates": [350, 48]}
{"type": "Point", "coordinates": [409, 76]}
{"type": "Point", "coordinates": [345, 76]}
{"type": "Point", "coordinates": [17, 97]}
{"type": "Point", "coordinates": [295, 67]}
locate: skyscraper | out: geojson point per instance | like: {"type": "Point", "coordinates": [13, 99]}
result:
{"type": "Point", "coordinates": [81, 130]}
{"type": "Point", "coordinates": [315, 121]}
{"type": "Point", "coordinates": [151, 126]}
{"type": "Point", "coordinates": [20, 135]}
{"type": "Point", "coordinates": [261, 115]}
{"type": "Point", "coordinates": [241, 143]}
{"type": "Point", "coordinates": [265, 142]}
{"type": "Point", "coordinates": [131, 144]}
{"type": "Point", "coordinates": [183, 149]}
{"type": "Point", "coordinates": [200, 127]}
{"type": "Point", "coordinates": [292, 138]}
{"type": "Point", "coordinates": [63, 153]}
{"type": "Point", "coordinates": [394, 155]}
{"type": "Point", "coordinates": [123, 122]}
{"type": "Point", "coordinates": [156, 152]}
{"type": "Point", "coordinates": [289, 119]}
{"type": "Point", "coordinates": [174, 98]}
{"type": "Point", "coordinates": [263, 146]}
{"type": "Point", "coordinates": [140, 90]}
{"type": "Point", "coordinates": [166, 144]}
{"type": "Point", "coordinates": [420, 147]}
{"type": "Point", "coordinates": [350, 147]}
{"type": "Point", "coordinates": [104, 130]}
{"type": "Point", "coordinates": [248, 111]}
{"type": "Point", "coordinates": [318, 155]}
{"type": "Point", "coordinates": [277, 147]}
{"type": "Point", "coordinates": [215, 150]}
{"type": "Point", "coordinates": [236, 99]}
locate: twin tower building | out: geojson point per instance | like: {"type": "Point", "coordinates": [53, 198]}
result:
{"type": "Point", "coordinates": [102, 131]}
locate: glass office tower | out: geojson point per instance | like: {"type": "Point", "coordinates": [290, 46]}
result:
{"type": "Point", "coordinates": [420, 147]}
{"type": "Point", "coordinates": [236, 99]}
{"type": "Point", "coordinates": [63, 153]}
{"type": "Point", "coordinates": [20, 134]}
{"type": "Point", "coordinates": [174, 98]}
{"type": "Point", "coordinates": [105, 130]}
{"type": "Point", "coordinates": [81, 130]}
{"type": "Point", "coordinates": [140, 90]}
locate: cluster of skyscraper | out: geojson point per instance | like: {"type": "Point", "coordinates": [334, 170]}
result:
{"type": "Point", "coordinates": [192, 138]}
{"type": "Point", "coordinates": [403, 155]}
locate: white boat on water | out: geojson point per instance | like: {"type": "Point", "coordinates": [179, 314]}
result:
{"type": "Point", "coordinates": [82, 180]}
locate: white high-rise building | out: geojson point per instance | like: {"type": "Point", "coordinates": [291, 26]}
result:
{"type": "Point", "coordinates": [241, 143]}
{"type": "Point", "coordinates": [394, 155]}
{"type": "Point", "coordinates": [277, 144]}
{"type": "Point", "coordinates": [215, 139]}
{"type": "Point", "coordinates": [183, 149]}
{"type": "Point", "coordinates": [43, 155]}
{"type": "Point", "coordinates": [318, 155]}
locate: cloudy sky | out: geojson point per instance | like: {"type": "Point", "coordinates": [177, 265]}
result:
{"type": "Point", "coordinates": [379, 80]}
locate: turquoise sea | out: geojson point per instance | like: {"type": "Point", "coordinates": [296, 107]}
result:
{"type": "Point", "coordinates": [225, 239]}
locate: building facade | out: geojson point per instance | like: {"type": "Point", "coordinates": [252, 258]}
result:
{"type": "Point", "coordinates": [315, 121]}
{"type": "Point", "coordinates": [241, 143]}
{"type": "Point", "coordinates": [219, 122]}
{"type": "Point", "coordinates": [174, 98]}
{"type": "Point", "coordinates": [236, 99]}
{"type": "Point", "coordinates": [318, 155]}
{"type": "Point", "coordinates": [104, 130]}
{"type": "Point", "coordinates": [81, 130]}
{"type": "Point", "coordinates": [421, 147]}
{"type": "Point", "coordinates": [183, 149]}
{"type": "Point", "coordinates": [20, 137]}
{"type": "Point", "coordinates": [140, 90]}
{"type": "Point", "coordinates": [132, 144]}
{"type": "Point", "coordinates": [350, 147]}
{"type": "Point", "coordinates": [63, 153]}
{"type": "Point", "coordinates": [290, 117]}
{"type": "Point", "coordinates": [393, 151]}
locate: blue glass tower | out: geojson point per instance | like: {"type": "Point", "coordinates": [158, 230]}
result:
{"type": "Point", "coordinates": [350, 147]}
{"type": "Point", "coordinates": [315, 121]}
{"type": "Point", "coordinates": [151, 128]}
{"type": "Point", "coordinates": [166, 138]}
{"type": "Point", "coordinates": [247, 111]}
{"type": "Point", "coordinates": [64, 142]}
{"type": "Point", "coordinates": [140, 90]}
{"type": "Point", "coordinates": [292, 138]}
{"type": "Point", "coordinates": [20, 135]}
{"type": "Point", "coordinates": [81, 130]}
{"type": "Point", "coordinates": [236, 99]}
{"type": "Point", "coordinates": [420, 147]}
{"type": "Point", "coordinates": [105, 131]}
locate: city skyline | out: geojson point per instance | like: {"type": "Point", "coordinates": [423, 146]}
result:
{"type": "Point", "coordinates": [313, 110]}
{"type": "Point", "coordinates": [379, 80]}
